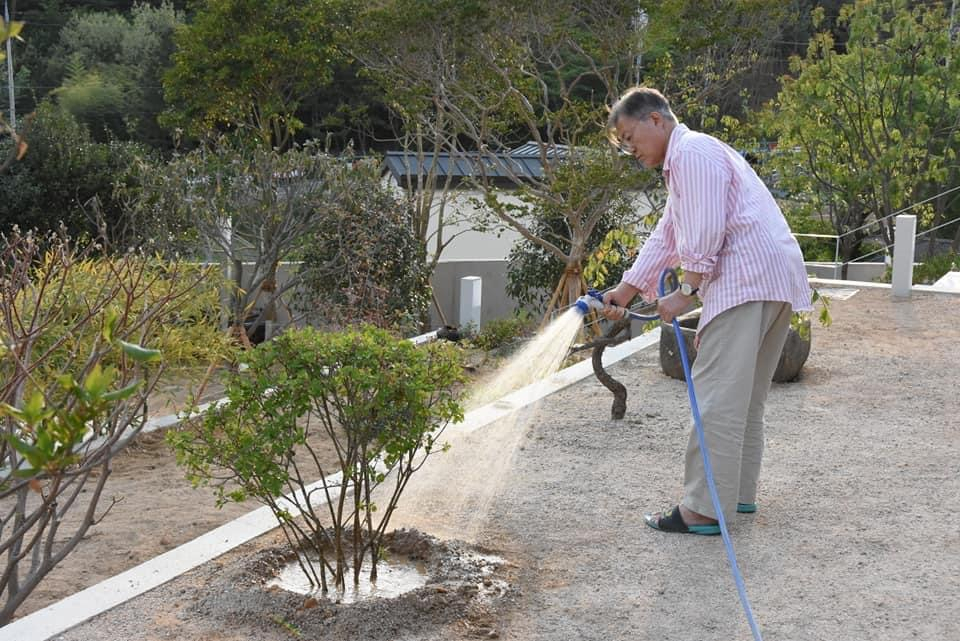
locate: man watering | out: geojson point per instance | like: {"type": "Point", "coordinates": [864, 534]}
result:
{"type": "Point", "coordinates": [722, 226]}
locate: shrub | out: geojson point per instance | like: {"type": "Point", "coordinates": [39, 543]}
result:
{"type": "Point", "coordinates": [932, 269]}
{"type": "Point", "coordinates": [379, 401]}
{"type": "Point", "coordinates": [364, 262]}
{"type": "Point", "coordinates": [929, 271]}
{"type": "Point", "coordinates": [74, 381]}
{"type": "Point", "coordinates": [66, 177]}
{"type": "Point", "coordinates": [188, 333]}
{"type": "Point", "coordinates": [499, 332]}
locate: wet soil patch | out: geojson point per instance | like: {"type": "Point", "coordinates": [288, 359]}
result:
{"type": "Point", "coordinates": [466, 587]}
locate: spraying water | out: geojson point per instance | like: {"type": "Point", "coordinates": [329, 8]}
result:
{"type": "Point", "coordinates": [540, 358]}
{"type": "Point", "coordinates": [452, 495]}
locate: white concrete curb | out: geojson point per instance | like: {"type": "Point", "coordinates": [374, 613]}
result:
{"type": "Point", "coordinates": [75, 609]}
{"type": "Point", "coordinates": [846, 284]}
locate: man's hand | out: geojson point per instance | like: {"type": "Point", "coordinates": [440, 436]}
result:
{"type": "Point", "coordinates": [672, 305]}
{"type": "Point", "coordinates": [617, 299]}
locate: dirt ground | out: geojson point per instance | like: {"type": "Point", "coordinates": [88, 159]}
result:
{"type": "Point", "coordinates": [855, 537]}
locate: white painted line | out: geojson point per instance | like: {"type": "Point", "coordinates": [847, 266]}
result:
{"type": "Point", "coordinates": [424, 338]}
{"type": "Point", "coordinates": [838, 293]}
{"type": "Point", "coordinates": [97, 599]}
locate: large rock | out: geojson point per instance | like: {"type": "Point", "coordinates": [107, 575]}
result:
{"type": "Point", "coordinates": [794, 355]}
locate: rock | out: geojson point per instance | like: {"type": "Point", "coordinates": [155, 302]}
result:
{"type": "Point", "coordinates": [794, 355]}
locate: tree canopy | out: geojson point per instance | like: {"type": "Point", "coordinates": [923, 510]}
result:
{"type": "Point", "coordinates": [870, 130]}
{"type": "Point", "coordinates": [249, 64]}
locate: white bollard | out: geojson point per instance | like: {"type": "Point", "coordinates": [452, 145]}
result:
{"type": "Point", "coordinates": [904, 239]}
{"type": "Point", "coordinates": [470, 287]}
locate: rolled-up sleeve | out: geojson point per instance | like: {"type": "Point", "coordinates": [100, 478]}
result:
{"type": "Point", "coordinates": [701, 182]}
{"type": "Point", "coordinates": [658, 253]}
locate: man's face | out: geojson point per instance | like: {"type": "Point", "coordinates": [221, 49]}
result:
{"type": "Point", "coordinates": [646, 140]}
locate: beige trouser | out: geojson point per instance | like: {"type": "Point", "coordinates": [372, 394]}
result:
{"type": "Point", "coordinates": [738, 354]}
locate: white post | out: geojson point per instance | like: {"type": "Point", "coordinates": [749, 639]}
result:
{"type": "Point", "coordinates": [904, 238]}
{"type": "Point", "coordinates": [470, 287]}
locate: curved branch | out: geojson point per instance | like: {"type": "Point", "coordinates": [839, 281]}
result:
{"type": "Point", "coordinates": [611, 337]}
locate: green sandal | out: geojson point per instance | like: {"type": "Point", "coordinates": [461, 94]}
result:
{"type": "Point", "coordinates": [746, 508]}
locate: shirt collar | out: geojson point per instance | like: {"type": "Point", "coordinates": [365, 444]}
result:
{"type": "Point", "coordinates": [672, 143]}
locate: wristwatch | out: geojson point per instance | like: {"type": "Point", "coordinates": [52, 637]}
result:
{"type": "Point", "coordinates": [688, 290]}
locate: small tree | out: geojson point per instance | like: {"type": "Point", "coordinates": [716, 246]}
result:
{"type": "Point", "coordinates": [380, 401]}
{"type": "Point", "coordinates": [536, 269]}
{"type": "Point", "coordinates": [73, 386]}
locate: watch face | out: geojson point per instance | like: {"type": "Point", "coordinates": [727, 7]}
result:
{"type": "Point", "coordinates": [686, 289]}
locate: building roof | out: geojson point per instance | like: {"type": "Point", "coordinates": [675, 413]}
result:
{"type": "Point", "coordinates": [524, 162]}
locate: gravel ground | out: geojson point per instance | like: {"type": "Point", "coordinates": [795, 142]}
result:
{"type": "Point", "coordinates": [855, 538]}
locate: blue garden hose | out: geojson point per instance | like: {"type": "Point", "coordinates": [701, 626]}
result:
{"type": "Point", "coordinates": [708, 470]}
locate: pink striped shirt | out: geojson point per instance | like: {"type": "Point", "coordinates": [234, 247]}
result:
{"type": "Point", "coordinates": [720, 220]}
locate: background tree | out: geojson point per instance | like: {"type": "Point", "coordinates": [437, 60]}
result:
{"type": "Point", "coordinates": [249, 205]}
{"type": "Point", "coordinates": [402, 47]}
{"type": "Point", "coordinates": [719, 59]}
{"type": "Point", "coordinates": [502, 75]}
{"type": "Point", "coordinates": [105, 68]}
{"type": "Point", "coordinates": [248, 64]}
{"type": "Point", "coordinates": [67, 177]}
{"type": "Point", "coordinates": [870, 130]}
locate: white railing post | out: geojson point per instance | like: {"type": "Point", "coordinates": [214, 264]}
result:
{"type": "Point", "coordinates": [904, 239]}
{"type": "Point", "coordinates": [837, 268]}
{"type": "Point", "coordinates": [470, 297]}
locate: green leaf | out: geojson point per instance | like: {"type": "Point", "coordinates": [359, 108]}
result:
{"type": "Point", "coordinates": [33, 455]}
{"type": "Point", "coordinates": [33, 412]}
{"type": "Point", "coordinates": [120, 394]}
{"type": "Point", "coordinates": [96, 381]}
{"type": "Point", "coordinates": [109, 325]}
{"type": "Point", "coordinates": [140, 354]}
{"type": "Point", "coordinates": [13, 412]}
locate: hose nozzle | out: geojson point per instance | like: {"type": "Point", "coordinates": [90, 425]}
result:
{"type": "Point", "coordinates": [591, 300]}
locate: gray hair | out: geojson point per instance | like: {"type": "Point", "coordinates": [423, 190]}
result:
{"type": "Point", "coordinates": [638, 103]}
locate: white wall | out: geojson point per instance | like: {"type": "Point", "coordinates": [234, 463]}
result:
{"type": "Point", "coordinates": [467, 244]}
{"type": "Point", "coordinates": [461, 214]}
